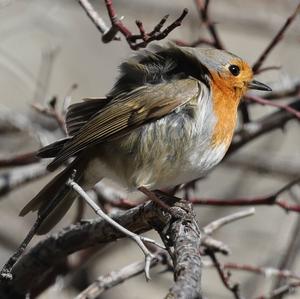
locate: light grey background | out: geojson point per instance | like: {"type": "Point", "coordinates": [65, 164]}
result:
{"type": "Point", "coordinates": [34, 29]}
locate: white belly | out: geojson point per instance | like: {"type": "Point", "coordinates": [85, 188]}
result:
{"type": "Point", "coordinates": [173, 150]}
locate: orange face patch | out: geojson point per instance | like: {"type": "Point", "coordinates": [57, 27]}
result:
{"type": "Point", "coordinates": [225, 103]}
{"type": "Point", "coordinates": [227, 91]}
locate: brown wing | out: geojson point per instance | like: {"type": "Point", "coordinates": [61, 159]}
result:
{"type": "Point", "coordinates": [127, 112]}
{"type": "Point", "coordinates": [79, 114]}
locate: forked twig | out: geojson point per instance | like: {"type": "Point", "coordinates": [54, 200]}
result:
{"type": "Point", "coordinates": [138, 239]}
{"type": "Point", "coordinates": [135, 41]}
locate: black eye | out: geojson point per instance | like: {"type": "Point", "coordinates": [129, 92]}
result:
{"type": "Point", "coordinates": [234, 70]}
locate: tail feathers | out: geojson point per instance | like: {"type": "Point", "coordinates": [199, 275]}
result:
{"type": "Point", "coordinates": [52, 149]}
{"type": "Point", "coordinates": [55, 199]}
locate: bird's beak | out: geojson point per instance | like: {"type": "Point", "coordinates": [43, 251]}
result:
{"type": "Point", "coordinates": [258, 86]}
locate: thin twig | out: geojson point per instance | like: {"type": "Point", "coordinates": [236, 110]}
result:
{"type": "Point", "coordinates": [22, 159]}
{"type": "Point", "coordinates": [136, 238]}
{"type": "Point", "coordinates": [265, 125]}
{"type": "Point", "coordinates": [93, 15]}
{"type": "Point", "coordinates": [267, 272]}
{"type": "Point", "coordinates": [266, 200]}
{"type": "Point", "coordinates": [213, 226]}
{"type": "Point", "coordinates": [203, 7]}
{"type": "Point", "coordinates": [135, 41]}
{"type": "Point", "coordinates": [281, 291]}
{"type": "Point", "coordinates": [291, 91]}
{"type": "Point", "coordinates": [268, 68]}
{"type": "Point", "coordinates": [225, 277]}
{"type": "Point", "coordinates": [287, 259]}
{"type": "Point", "coordinates": [106, 282]}
{"type": "Point", "coordinates": [277, 38]}
{"type": "Point", "coordinates": [52, 111]}
{"type": "Point", "coordinates": [266, 102]}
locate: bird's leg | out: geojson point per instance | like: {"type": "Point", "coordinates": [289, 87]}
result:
{"type": "Point", "coordinates": [138, 239]}
{"type": "Point", "coordinates": [152, 196]}
{"type": "Point", "coordinates": [161, 198]}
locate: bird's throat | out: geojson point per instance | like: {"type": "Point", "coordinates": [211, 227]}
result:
{"type": "Point", "coordinates": [225, 103]}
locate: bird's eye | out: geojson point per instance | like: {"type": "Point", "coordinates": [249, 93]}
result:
{"type": "Point", "coordinates": [234, 70]}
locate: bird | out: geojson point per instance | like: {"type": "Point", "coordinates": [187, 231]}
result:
{"type": "Point", "coordinates": [169, 119]}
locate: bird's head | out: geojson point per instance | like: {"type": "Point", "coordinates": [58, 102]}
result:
{"type": "Point", "coordinates": [228, 70]}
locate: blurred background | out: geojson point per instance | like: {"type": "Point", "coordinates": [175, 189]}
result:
{"type": "Point", "coordinates": [47, 46]}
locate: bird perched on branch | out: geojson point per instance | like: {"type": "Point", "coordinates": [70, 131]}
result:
{"type": "Point", "coordinates": [168, 120]}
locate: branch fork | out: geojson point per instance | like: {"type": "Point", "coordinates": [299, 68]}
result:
{"type": "Point", "coordinates": [136, 238]}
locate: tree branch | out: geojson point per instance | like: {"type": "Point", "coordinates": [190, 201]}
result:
{"type": "Point", "coordinates": [266, 200]}
{"type": "Point", "coordinates": [135, 41]}
{"type": "Point", "coordinates": [185, 237]}
{"type": "Point", "coordinates": [106, 282]}
{"type": "Point", "coordinates": [202, 7]}
{"type": "Point", "coordinates": [36, 264]}
{"type": "Point", "coordinates": [277, 38]}
{"type": "Point", "coordinates": [267, 124]}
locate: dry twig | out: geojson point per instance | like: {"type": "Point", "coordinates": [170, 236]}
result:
{"type": "Point", "coordinates": [136, 238]}
{"type": "Point", "coordinates": [266, 200]}
{"type": "Point", "coordinates": [277, 38]}
{"type": "Point", "coordinates": [106, 282]}
{"type": "Point", "coordinates": [135, 41]}
{"type": "Point", "coordinates": [202, 7]}
{"type": "Point", "coordinates": [225, 277]}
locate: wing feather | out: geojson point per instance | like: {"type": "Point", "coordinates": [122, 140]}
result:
{"type": "Point", "coordinates": [129, 111]}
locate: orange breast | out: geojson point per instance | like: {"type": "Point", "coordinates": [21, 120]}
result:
{"type": "Point", "coordinates": [225, 103]}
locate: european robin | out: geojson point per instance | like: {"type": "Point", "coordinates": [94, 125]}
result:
{"type": "Point", "coordinates": [169, 119]}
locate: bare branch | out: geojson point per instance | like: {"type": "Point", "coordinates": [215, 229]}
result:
{"type": "Point", "coordinates": [266, 102]}
{"type": "Point", "coordinates": [202, 7]}
{"type": "Point", "coordinates": [135, 41]}
{"type": "Point", "coordinates": [52, 111]}
{"type": "Point", "coordinates": [22, 159]}
{"type": "Point", "coordinates": [185, 236]}
{"type": "Point", "coordinates": [19, 176]}
{"type": "Point", "coordinates": [139, 240]}
{"type": "Point", "coordinates": [267, 124]}
{"type": "Point", "coordinates": [267, 272]}
{"type": "Point", "coordinates": [281, 291]}
{"type": "Point", "coordinates": [277, 38]}
{"type": "Point", "coordinates": [93, 15]}
{"type": "Point", "coordinates": [225, 277]}
{"type": "Point", "coordinates": [34, 265]}
{"type": "Point", "coordinates": [213, 226]}
{"type": "Point", "coordinates": [106, 282]}
{"type": "Point", "coordinates": [266, 200]}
